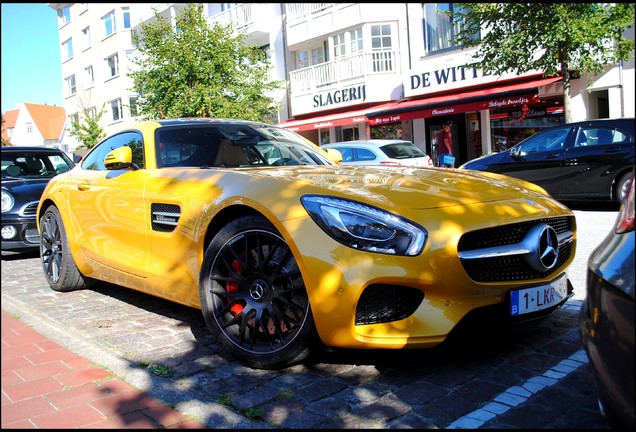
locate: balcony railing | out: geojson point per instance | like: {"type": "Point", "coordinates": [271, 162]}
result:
{"type": "Point", "coordinates": [344, 69]}
{"type": "Point", "coordinates": [241, 16]}
{"type": "Point", "coordinates": [295, 10]}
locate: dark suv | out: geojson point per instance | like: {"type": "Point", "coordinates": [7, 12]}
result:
{"type": "Point", "coordinates": [589, 160]}
{"type": "Point", "coordinates": [25, 173]}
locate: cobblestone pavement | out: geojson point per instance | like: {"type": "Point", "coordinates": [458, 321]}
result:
{"type": "Point", "coordinates": [535, 378]}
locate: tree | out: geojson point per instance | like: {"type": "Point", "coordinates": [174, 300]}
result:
{"type": "Point", "coordinates": [570, 39]}
{"type": "Point", "coordinates": [4, 141]}
{"type": "Point", "coordinates": [200, 70]}
{"type": "Point", "coordinates": [88, 132]}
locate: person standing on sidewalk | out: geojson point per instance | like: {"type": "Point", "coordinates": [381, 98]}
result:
{"type": "Point", "coordinates": [445, 147]}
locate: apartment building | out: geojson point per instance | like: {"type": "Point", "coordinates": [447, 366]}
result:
{"type": "Point", "coordinates": [354, 70]}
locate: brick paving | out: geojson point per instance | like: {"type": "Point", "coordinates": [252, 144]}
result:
{"type": "Point", "coordinates": [47, 386]}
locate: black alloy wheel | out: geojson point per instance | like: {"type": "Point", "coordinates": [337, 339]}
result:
{"type": "Point", "coordinates": [253, 295]}
{"type": "Point", "coordinates": [57, 261]}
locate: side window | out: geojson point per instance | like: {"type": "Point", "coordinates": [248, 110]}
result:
{"type": "Point", "coordinates": [347, 154]}
{"type": "Point", "coordinates": [365, 155]}
{"type": "Point", "coordinates": [549, 141]}
{"type": "Point", "coordinates": [603, 136]}
{"type": "Point", "coordinates": [95, 159]}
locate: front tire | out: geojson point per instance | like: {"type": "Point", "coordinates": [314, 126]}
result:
{"type": "Point", "coordinates": [253, 296]}
{"type": "Point", "coordinates": [55, 254]}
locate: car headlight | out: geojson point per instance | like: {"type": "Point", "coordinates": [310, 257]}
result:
{"type": "Point", "coordinates": [7, 201]}
{"type": "Point", "coordinates": [363, 227]}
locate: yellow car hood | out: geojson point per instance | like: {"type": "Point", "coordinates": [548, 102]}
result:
{"type": "Point", "coordinates": [414, 188]}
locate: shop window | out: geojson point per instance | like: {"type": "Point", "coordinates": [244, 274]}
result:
{"type": "Point", "coordinates": [350, 134]}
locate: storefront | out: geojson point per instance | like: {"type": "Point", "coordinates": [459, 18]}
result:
{"type": "Point", "coordinates": [483, 119]}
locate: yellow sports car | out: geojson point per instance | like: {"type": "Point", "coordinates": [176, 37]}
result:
{"type": "Point", "coordinates": [283, 249]}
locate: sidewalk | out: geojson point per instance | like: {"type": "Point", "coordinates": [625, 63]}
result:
{"type": "Point", "coordinates": [44, 385]}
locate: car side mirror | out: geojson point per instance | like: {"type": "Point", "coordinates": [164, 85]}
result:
{"type": "Point", "coordinates": [334, 155]}
{"type": "Point", "coordinates": [120, 158]}
{"type": "Point", "coordinates": [515, 152]}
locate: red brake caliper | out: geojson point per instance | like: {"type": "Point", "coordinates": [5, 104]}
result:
{"type": "Point", "coordinates": [234, 287]}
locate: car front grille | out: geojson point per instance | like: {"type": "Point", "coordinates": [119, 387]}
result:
{"type": "Point", "coordinates": [385, 303]}
{"type": "Point", "coordinates": [497, 267]}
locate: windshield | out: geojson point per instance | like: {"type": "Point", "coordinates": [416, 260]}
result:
{"type": "Point", "coordinates": [34, 164]}
{"type": "Point", "coordinates": [234, 145]}
{"type": "Point", "coordinates": [405, 150]}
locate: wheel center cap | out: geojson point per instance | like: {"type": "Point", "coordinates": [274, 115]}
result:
{"type": "Point", "coordinates": [258, 289]}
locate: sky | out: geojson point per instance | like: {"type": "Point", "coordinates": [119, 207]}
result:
{"type": "Point", "coordinates": [31, 69]}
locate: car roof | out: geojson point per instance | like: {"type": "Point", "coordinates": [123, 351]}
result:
{"type": "Point", "coordinates": [371, 142]}
{"type": "Point", "coordinates": [24, 148]}
{"type": "Point", "coordinates": [186, 121]}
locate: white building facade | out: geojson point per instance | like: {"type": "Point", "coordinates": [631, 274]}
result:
{"type": "Point", "coordinates": [354, 70]}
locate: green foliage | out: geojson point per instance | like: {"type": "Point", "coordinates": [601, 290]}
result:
{"type": "Point", "coordinates": [554, 38]}
{"type": "Point", "coordinates": [4, 141]}
{"type": "Point", "coordinates": [88, 132]}
{"type": "Point", "coordinates": [200, 70]}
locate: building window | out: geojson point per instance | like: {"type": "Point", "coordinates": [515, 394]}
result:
{"type": "Point", "coordinates": [356, 42]}
{"type": "Point", "coordinates": [67, 49]}
{"type": "Point", "coordinates": [90, 77]}
{"type": "Point", "coordinates": [86, 33]}
{"type": "Point", "coordinates": [347, 43]}
{"type": "Point", "coordinates": [92, 112]}
{"type": "Point", "coordinates": [439, 29]}
{"type": "Point", "coordinates": [29, 127]}
{"type": "Point", "coordinates": [65, 16]}
{"type": "Point", "coordinates": [115, 108]}
{"type": "Point", "coordinates": [126, 13]}
{"type": "Point", "coordinates": [109, 23]}
{"type": "Point", "coordinates": [339, 45]}
{"type": "Point", "coordinates": [381, 47]}
{"type": "Point", "coordinates": [381, 37]}
{"type": "Point", "coordinates": [71, 89]}
{"type": "Point", "coordinates": [132, 105]}
{"type": "Point", "coordinates": [309, 58]}
{"type": "Point", "coordinates": [113, 65]}
{"type": "Point", "coordinates": [74, 118]}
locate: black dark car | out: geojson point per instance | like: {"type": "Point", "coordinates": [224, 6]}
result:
{"type": "Point", "coordinates": [584, 161]}
{"type": "Point", "coordinates": [25, 173]}
{"type": "Point", "coordinates": [606, 318]}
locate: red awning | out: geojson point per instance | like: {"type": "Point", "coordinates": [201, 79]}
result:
{"type": "Point", "coordinates": [495, 97]}
{"type": "Point", "coordinates": [338, 119]}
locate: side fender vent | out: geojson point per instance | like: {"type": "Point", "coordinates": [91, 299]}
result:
{"type": "Point", "coordinates": [164, 217]}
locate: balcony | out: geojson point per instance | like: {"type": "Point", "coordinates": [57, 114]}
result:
{"type": "Point", "coordinates": [344, 69]}
{"type": "Point", "coordinates": [252, 19]}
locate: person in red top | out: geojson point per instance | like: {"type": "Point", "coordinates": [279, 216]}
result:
{"type": "Point", "coordinates": [445, 146]}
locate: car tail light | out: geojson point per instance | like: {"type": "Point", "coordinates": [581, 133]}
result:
{"type": "Point", "coordinates": [625, 219]}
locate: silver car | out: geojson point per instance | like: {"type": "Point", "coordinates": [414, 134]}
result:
{"type": "Point", "coordinates": [381, 152]}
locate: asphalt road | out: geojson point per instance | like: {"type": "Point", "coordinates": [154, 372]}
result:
{"type": "Point", "coordinates": [535, 378]}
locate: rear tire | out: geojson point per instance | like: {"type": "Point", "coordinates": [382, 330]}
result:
{"type": "Point", "coordinates": [253, 297]}
{"type": "Point", "coordinates": [55, 254]}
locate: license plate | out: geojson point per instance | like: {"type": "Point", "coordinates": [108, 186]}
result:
{"type": "Point", "coordinates": [537, 298]}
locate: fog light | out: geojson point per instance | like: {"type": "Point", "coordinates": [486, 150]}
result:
{"type": "Point", "coordinates": [9, 232]}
